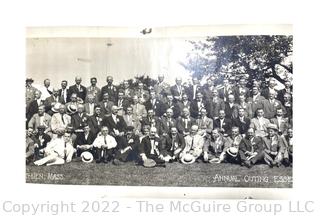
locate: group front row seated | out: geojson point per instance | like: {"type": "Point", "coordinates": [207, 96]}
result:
{"type": "Point", "coordinates": [161, 143]}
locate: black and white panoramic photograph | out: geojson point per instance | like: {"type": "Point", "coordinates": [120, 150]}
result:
{"type": "Point", "coordinates": [151, 110]}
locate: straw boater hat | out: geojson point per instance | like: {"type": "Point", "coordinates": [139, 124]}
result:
{"type": "Point", "coordinates": [71, 109]}
{"type": "Point", "coordinates": [56, 107]}
{"type": "Point", "coordinates": [233, 151]}
{"type": "Point", "coordinates": [149, 163]}
{"type": "Point", "coordinates": [86, 157]}
{"type": "Point", "coordinates": [188, 159]}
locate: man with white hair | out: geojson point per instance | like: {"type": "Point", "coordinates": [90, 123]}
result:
{"type": "Point", "coordinates": [89, 105]}
{"type": "Point", "coordinates": [271, 87]}
{"type": "Point", "coordinates": [151, 148]}
{"type": "Point", "coordinates": [185, 122]}
{"type": "Point", "coordinates": [79, 89]}
{"type": "Point", "coordinates": [194, 143]}
{"type": "Point", "coordinates": [161, 86]}
{"type": "Point", "coordinates": [58, 150]}
{"type": "Point", "coordinates": [167, 121]}
{"type": "Point", "coordinates": [60, 119]}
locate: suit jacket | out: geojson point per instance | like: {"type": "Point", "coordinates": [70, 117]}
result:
{"type": "Point", "coordinates": [82, 140]}
{"type": "Point", "coordinates": [175, 108]}
{"type": "Point", "coordinates": [132, 141]}
{"type": "Point", "coordinates": [106, 110]}
{"type": "Point", "coordinates": [260, 128]}
{"type": "Point", "coordinates": [265, 92]}
{"type": "Point", "coordinates": [142, 93]}
{"type": "Point", "coordinates": [177, 92]}
{"type": "Point", "coordinates": [134, 121]}
{"type": "Point", "coordinates": [256, 103]}
{"type": "Point", "coordinates": [217, 146]}
{"type": "Point", "coordinates": [191, 91]}
{"type": "Point", "coordinates": [34, 122]}
{"type": "Point", "coordinates": [65, 99]}
{"type": "Point", "coordinates": [183, 105]}
{"type": "Point", "coordinates": [277, 146]}
{"type": "Point", "coordinates": [237, 92]}
{"type": "Point", "coordinates": [94, 124]}
{"type": "Point", "coordinates": [231, 112]}
{"type": "Point", "coordinates": [50, 100]}
{"type": "Point", "coordinates": [95, 91]}
{"type": "Point", "coordinates": [270, 109]}
{"type": "Point", "coordinates": [195, 109]}
{"type": "Point", "coordinates": [146, 148]}
{"type": "Point", "coordinates": [257, 145]}
{"type": "Point", "coordinates": [87, 109]}
{"type": "Point", "coordinates": [205, 124]}
{"type": "Point", "coordinates": [77, 122]}
{"type": "Point", "coordinates": [119, 125]}
{"type": "Point", "coordinates": [139, 110]}
{"type": "Point", "coordinates": [184, 126]}
{"type": "Point", "coordinates": [172, 144]}
{"type": "Point", "coordinates": [161, 88]}
{"type": "Point", "coordinates": [82, 93]}
{"type": "Point", "coordinates": [158, 107]}
{"type": "Point", "coordinates": [111, 90]}
{"type": "Point", "coordinates": [196, 144]}
{"type": "Point", "coordinates": [153, 122]}
{"type": "Point", "coordinates": [56, 121]}
{"type": "Point", "coordinates": [243, 125]}
{"type": "Point", "coordinates": [43, 142]}
{"type": "Point", "coordinates": [123, 106]}
{"type": "Point", "coordinates": [281, 93]}
{"type": "Point", "coordinates": [32, 109]}
{"type": "Point", "coordinates": [214, 106]}
{"type": "Point", "coordinates": [283, 125]}
{"type": "Point", "coordinates": [224, 92]}
{"type": "Point", "coordinates": [226, 125]}
{"type": "Point", "coordinates": [165, 125]}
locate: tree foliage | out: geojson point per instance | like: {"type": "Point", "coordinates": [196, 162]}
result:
{"type": "Point", "coordinates": [257, 57]}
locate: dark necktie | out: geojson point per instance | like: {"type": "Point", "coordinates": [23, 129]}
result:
{"type": "Point", "coordinates": [62, 119]}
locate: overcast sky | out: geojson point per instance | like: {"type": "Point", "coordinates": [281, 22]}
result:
{"type": "Point", "coordinates": [123, 58]}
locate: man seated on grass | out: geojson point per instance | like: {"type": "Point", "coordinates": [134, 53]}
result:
{"type": "Point", "coordinates": [173, 145]}
{"type": "Point", "coordinates": [194, 146]}
{"type": "Point", "coordinates": [251, 149]}
{"type": "Point", "coordinates": [104, 146]}
{"type": "Point", "coordinates": [274, 147]}
{"type": "Point", "coordinates": [58, 151]}
{"type": "Point", "coordinates": [151, 148]}
{"type": "Point", "coordinates": [231, 153]}
{"type": "Point", "coordinates": [288, 159]}
{"type": "Point", "coordinates": [30, 146]}
{"type": "Point", "coordinates": [84, 140]}
{"type": "Point", "coordinates": [214, 146]}
{"type": "Point", "coordinates": [126, 150]}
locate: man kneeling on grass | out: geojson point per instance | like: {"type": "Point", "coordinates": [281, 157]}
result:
{"type": "Point", "coordinates": [58, 150]}
{"type": "Point", "coordinates": [151, 148]}
{"type": "Point", "coordinates": [104, 146]}
{"type": "Point", "coordinates": [251, 149]}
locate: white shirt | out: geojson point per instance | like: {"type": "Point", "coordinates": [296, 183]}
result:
{"type": "Point", "coordinates": [100, 141]}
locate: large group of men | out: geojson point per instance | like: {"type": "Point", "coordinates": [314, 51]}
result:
{"type": "Point", "coordinates": [230, 122]}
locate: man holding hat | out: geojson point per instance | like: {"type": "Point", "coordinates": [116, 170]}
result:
{"type": "Point", "coordinates": [60, 119]}
{"type": "Point", "coordinates": [41, 140]}
{"type": "Point", "coordinates": [194, 145]}
{"type": "Point", "coordinates": [174, 143]}
{"type": "Point", "coordinates": [84, 140]}
{"type": "Point", "coordinates": [40, 118]}
{"type": "Point", "coordinates": [274, 146]}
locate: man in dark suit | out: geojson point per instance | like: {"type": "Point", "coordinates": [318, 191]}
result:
{"type": "Point", "coordinates": [41, 140]}
{"type": "Point", "coordinates": [115, 124]}
{"type": "Point", "coordinates": [185, 122]}
{"type": "Point", "coordinates": [171, 103]}
{"type": "Point", "coordinates": [194, 89]}
{"type": "Point", "coordinates": [53, 99]}
{"type": "Point", "coordinates": [271, 87]}
{"type": "Point", "coordinates": [223, 123]}
{"type": "Point", "coordinates": [110, 89]}
{"type": "Point", "coordinates": [173, 144]}
{"type": "Point", "coordinates": [177, 90]}
{"type": "Point", "coordinates": [106, 105]}
{"type": "Point", "coordinates": [251, 149]}
{"type": "Point", "coordinates": [64, 92]}
{"type": "Point", "coordinates": [241, 89]}
{"type": "Point", "coordinates": [196, 106]}
{"type": "Point", "coordinates": [151, 148]}
{"type": "Point", "coordinates": [215, 104]}
{"type": "Point", "coordinates": [287, 89]}
{"type": "Point", "coordinates": [151, 120]}
{"type": "Point", "coordinates": [79, 89]}
{"type": "Point", "coordinates": [79, 119]}
{"type": "Point", "coordinates": [231, 108]}
{"type": "Point", "coordinates": [225, 90]}
{"type": "Point", "coordinates": [242, 122]}
{"type": "Point", "coordinates": [127, 150]}
{"type": "Point", "coordinates": [34, 105]}
{"type": "Point", "coordinates": [84, 140]}
{"type": "Point", "coordinates": [95, 120]}
{"type": "Point", "coordinates": [122, 103]}
{"type": "Point", "coordinates": [166, 122]}
{"type": "Point", "coordinates": [155, 104]}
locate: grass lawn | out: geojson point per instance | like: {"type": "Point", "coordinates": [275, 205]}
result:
{"type": "Point", "coordinates": [175, 174]}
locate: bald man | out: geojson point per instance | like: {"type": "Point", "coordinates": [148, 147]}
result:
{"type": "Point", "coordinates": [51, 100]}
